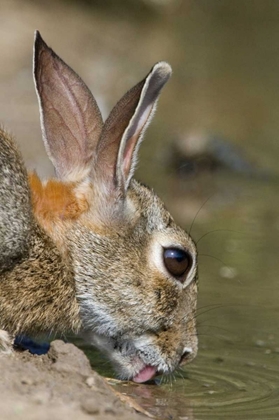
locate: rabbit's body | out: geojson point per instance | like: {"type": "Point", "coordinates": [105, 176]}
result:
{"type": "Point", "coordinates": [15, 205]}
{"type": "Point", "coordinates": [37, 291]}
{"type": "Point", "coordinates": [96, 251]}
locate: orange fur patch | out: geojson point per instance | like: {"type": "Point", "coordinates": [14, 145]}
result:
{"type": "Point", "coordinates": [55, 200]}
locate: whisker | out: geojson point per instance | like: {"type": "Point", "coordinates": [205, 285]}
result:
{"type": "Point", "coordinates": [219, 306]}
{"type": "Point", "coordinates": [179, 371]}
{"type": "Point", "coordinates": [196, 215]}
{"type": "Point", "coordinates": [214, 326]}
{"type": "Point", "coordinates": [217, 230]}
{"type": "Point", "coordinates": [162, 379]}
{"type": "Point", "coordinates": [212, 256]}
{"type": "Point", "coordinates": [208, 310]}
{"type": "Point", "coordinates": [220, 337]}
{"type": "Point", "coordinates": [197, 314]}
{"type": "Point", "coordinates": [167, 379]}
{"type": "Point", "coordinates": [207, 306]}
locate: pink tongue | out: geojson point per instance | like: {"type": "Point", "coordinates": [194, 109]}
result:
{"type": "Point", "coordinates": [145, 374]}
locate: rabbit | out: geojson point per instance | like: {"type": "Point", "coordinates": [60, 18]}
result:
{"type": "Point", "coordinates": [94, 251]}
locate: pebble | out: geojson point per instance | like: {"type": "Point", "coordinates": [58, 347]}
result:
{"type": "Point", "coordinates": [90, 406]}
{"type": "Point", "coordinates": [27, 381]}
{"type": "Point", "coordinates": [90, 381]}
{"type": "Point", "coordinates": [109, 409]}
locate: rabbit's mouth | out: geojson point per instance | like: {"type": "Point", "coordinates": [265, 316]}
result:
{"type": "Point", "coordinates": [145, 374]}
{"type": "Point", "coordinates": [129, 361]}
{"type": "Point", "coordinates": [139, 359]}
{"type": "Point", "coordinates": [132, 365]}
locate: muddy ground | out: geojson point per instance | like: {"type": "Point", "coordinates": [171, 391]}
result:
{"type": "Point", "coordinates": [58, 385]}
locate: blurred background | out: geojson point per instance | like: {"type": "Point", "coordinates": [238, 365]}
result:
{"type": "Point", "coordinates": [224, 56]}
{"type": "Point", "coordinates": [211, 153]}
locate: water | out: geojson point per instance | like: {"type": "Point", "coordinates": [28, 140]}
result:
{"type": "Point", "coordinates": [236, 373]}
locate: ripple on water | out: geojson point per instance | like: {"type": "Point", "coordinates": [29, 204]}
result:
{"type": "Point", "coordinates": [213, 388]}
{"type": "Point", "coordinates": [234, 388]}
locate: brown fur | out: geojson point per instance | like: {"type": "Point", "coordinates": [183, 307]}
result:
{"type": "Point", "coordinates": [37, 294]}
{"type": "Point", "coordinates": [85, 252]}
{"type": "Point", "coordinates": [55, 200]}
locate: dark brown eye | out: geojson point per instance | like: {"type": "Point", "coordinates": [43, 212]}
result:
{"type": "Point", "coordinates": [177, 261]}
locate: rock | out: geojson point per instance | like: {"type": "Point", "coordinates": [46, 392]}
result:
{"type": "Point", "coordinates": [90, 406]}
{"type": "Point", "coordinates": [27, 381]}
{"type": "Point", "coordinates": [68, 358]}
{"type": "Point", "coordinates": [90, 382]}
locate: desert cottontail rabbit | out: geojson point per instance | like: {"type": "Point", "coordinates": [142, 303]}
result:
{"type": "Point", "coordinates": [95, 251]}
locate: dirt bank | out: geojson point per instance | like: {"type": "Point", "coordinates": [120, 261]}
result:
{"type": "Point", "coordinates": [58, 385]}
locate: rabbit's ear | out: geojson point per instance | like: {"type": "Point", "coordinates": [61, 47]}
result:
{"type": "Point", "coordinates": [71, 121]}
{"type": "Point", "coordinates": [123, 130]}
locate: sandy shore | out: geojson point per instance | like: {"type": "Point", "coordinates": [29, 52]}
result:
{"type": "Point", "coordinates": [58, 385]}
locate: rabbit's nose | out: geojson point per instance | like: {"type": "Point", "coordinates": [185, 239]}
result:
{"type": "Point", "coordinates": [186, 353]}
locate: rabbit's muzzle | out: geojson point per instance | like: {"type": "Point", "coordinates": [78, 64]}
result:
{"type": "Point", "coordinates": [148, 372]}
{"type": "Point", "coordinates": [140, 358]}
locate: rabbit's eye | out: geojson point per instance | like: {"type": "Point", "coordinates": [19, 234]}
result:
{"type": "Point", "coordinates": [177, 262]}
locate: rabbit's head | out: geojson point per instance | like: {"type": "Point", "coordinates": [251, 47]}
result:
{"type": "Point", "coordinates": [135, 269]}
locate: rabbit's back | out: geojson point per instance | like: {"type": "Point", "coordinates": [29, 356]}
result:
{"type": "Point", "coordinates": [15, 205]}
